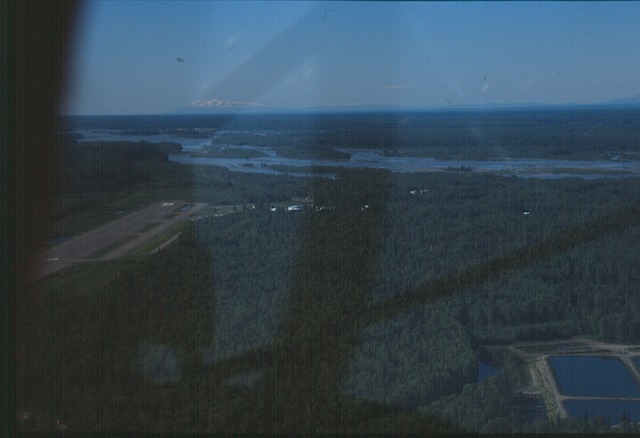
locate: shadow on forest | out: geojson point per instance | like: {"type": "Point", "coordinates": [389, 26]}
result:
{"type": "Point", "coordinates": [304, 367]}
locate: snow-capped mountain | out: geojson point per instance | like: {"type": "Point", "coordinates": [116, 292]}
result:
{"type": "Point", "coordinates": [217, 103]}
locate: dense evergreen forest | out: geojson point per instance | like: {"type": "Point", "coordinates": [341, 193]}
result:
{"type": "Point", "coordinates": [367, 311]}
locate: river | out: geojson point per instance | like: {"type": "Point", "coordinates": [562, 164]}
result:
{"type": "Point", "coordinates": [271, 163]}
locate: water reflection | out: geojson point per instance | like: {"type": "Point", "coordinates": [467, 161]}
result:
{"type": "Point", "coordinates": [486, 370]}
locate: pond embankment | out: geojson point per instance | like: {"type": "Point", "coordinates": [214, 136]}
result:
{"type": "Point", "coordinates": [584, 378]}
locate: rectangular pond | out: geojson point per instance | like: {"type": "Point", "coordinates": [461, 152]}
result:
{"type": "Point", "coordinates": [593, 376]}
{"type": "Point", "coordinates": [608, 409]}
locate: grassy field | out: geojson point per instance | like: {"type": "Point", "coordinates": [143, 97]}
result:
{"type": "Point", "coordinates": [85, 279]}
{"type": "Point", "coordinates": [162, 238]}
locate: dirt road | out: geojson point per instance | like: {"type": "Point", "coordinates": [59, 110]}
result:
{"type": "Point", "coordinates": [119, 237]}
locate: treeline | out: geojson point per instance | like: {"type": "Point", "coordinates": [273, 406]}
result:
{"type": "Point", "coordinates": [100, 180]}
{"type": "Point", "coordinates": [99, 168]}
{"type": "Point", "coordinates": [220, 186]}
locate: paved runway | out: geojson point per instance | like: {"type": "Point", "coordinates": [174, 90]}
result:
{"type": "Point", "coordinates": [117, 238]}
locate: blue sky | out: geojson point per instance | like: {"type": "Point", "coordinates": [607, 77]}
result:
{"type": "Point", "coordinates": [323, 54]}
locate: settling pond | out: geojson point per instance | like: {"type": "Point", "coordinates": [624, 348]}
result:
{"type": "Point", "coordinates": [608, 409]}
{"type": "Point", "coordinates": [597, 377]}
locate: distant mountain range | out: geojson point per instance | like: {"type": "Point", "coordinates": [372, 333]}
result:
{"type": "Point", "coordinates": [207, 106]}
{"type": "Point", "coordinates": [217, 105]}
{"type": "Point", "coordinates": [629, 100]}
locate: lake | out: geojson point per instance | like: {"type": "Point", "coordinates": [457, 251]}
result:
{"type": "Point", "coordinates": [593, 376]}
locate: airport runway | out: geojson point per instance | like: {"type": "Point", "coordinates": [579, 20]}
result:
{"type": "Point", "coordinates": [117, 238]}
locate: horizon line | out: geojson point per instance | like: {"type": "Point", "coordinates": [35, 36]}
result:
{"type": "Point", "coordinates": [359, 108]}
